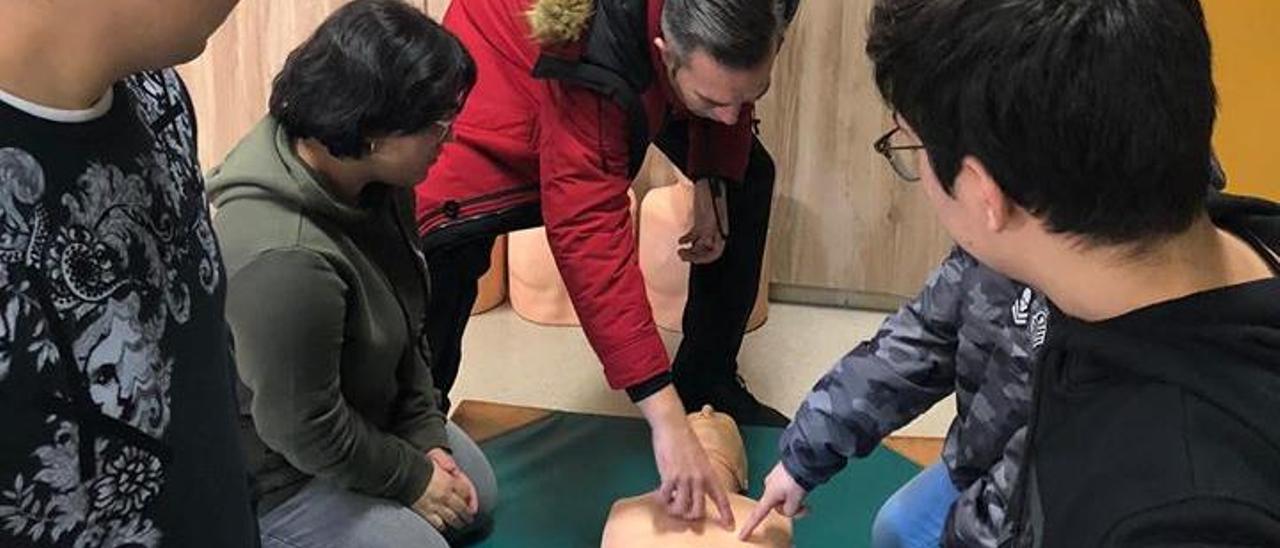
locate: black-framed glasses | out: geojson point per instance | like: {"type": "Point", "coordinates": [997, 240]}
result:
{"type": "Point", "coordinates": [440, 129]}
{"type": "Point", "coordinates": [902, 158]}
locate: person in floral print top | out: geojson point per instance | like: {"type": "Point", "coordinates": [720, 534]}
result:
{"type": "Point", "coordinates": [116, 381]}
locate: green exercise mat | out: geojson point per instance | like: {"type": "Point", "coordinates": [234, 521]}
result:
{"type": "Point", "coordinates": [558, 477]}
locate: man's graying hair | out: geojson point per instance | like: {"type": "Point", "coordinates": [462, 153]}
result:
{"type": "Point", "coordinates": [739, 34]}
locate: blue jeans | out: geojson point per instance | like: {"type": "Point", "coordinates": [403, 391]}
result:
{"type": "Point", "coordinates": [914, 516]}
{"type": "Point", "coordinates": [323, 515]}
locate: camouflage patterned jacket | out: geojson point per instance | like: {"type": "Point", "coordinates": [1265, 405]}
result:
{"type": "Point", "coordinates": [970, 331]}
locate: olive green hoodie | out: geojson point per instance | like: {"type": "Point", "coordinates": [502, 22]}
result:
{"type": "Point", "coordinates": [325, 301]}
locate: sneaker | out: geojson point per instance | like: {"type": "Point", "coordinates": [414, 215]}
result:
{"type": "Point", "coordinates": [731, 397]}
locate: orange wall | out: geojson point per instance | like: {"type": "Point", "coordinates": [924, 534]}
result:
{"type": "Point", "coordinates": [1246, 51]}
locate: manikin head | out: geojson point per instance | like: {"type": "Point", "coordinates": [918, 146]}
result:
{"type": "Point", "coordinates": [718, 434]}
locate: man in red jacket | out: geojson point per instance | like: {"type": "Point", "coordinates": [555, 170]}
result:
{"type": "Point", "coordinates": [570, 94]}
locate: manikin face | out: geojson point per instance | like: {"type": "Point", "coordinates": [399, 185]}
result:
{"type": "Point", "coordinates": [718, 434]}
{"type": "Point", "coordinates": [711, 90]}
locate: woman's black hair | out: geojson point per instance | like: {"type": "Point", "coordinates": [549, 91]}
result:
{"type": "Point", "coordinates": [373, 68]}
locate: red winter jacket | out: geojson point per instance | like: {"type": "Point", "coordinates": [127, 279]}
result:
{"type": "Point", "coordinates": [568, 142]}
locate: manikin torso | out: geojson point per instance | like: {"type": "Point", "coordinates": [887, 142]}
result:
{"type": "Point", "coordinates": [537, 290]}
{"type": "Point", "coordinates": [640, 521]}
{"type": "Point", "coordinates": [666, 215]}
{"type": "Point", "coordinates": [491, 290]}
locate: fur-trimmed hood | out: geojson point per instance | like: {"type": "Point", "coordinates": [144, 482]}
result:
{"type": "Point", "coordinates": [556, 22]}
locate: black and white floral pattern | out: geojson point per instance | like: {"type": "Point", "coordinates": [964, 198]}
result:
{"type": "Point", "coordinates": [124, 249]}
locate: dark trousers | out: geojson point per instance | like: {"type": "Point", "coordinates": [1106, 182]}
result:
{"type": "Point", "coordinates": [721, 294]}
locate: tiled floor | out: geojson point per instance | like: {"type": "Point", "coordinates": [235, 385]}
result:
{"type": "Point", "coordinates": [512, 361]}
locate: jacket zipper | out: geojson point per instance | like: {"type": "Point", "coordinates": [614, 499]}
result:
{"type": "Point", "coordinates": [416, 339]}
{"type": "Point", "coordinates": [424, 274]}
{"type": "Point", "coordinates": [1029, 510]}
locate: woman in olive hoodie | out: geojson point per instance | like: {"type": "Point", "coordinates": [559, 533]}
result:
{"type": "Point", "coordinates": [327, 289]}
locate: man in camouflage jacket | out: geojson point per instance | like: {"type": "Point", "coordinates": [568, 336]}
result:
{"type": "Point", "coordinates": [971, 331]}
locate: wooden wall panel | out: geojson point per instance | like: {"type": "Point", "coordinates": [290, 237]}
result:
{"type": "Point", "coordinates": [841, 220]}
{"type": "Point", "coordinates": [1246, 52]}
{"type": "Point", "coordinates": [231, 81]}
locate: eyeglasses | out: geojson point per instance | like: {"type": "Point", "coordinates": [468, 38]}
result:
{"type": "Point", "coordinates": [441, 128]}
{"type": "Point", "coordinates": [902, 158]}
